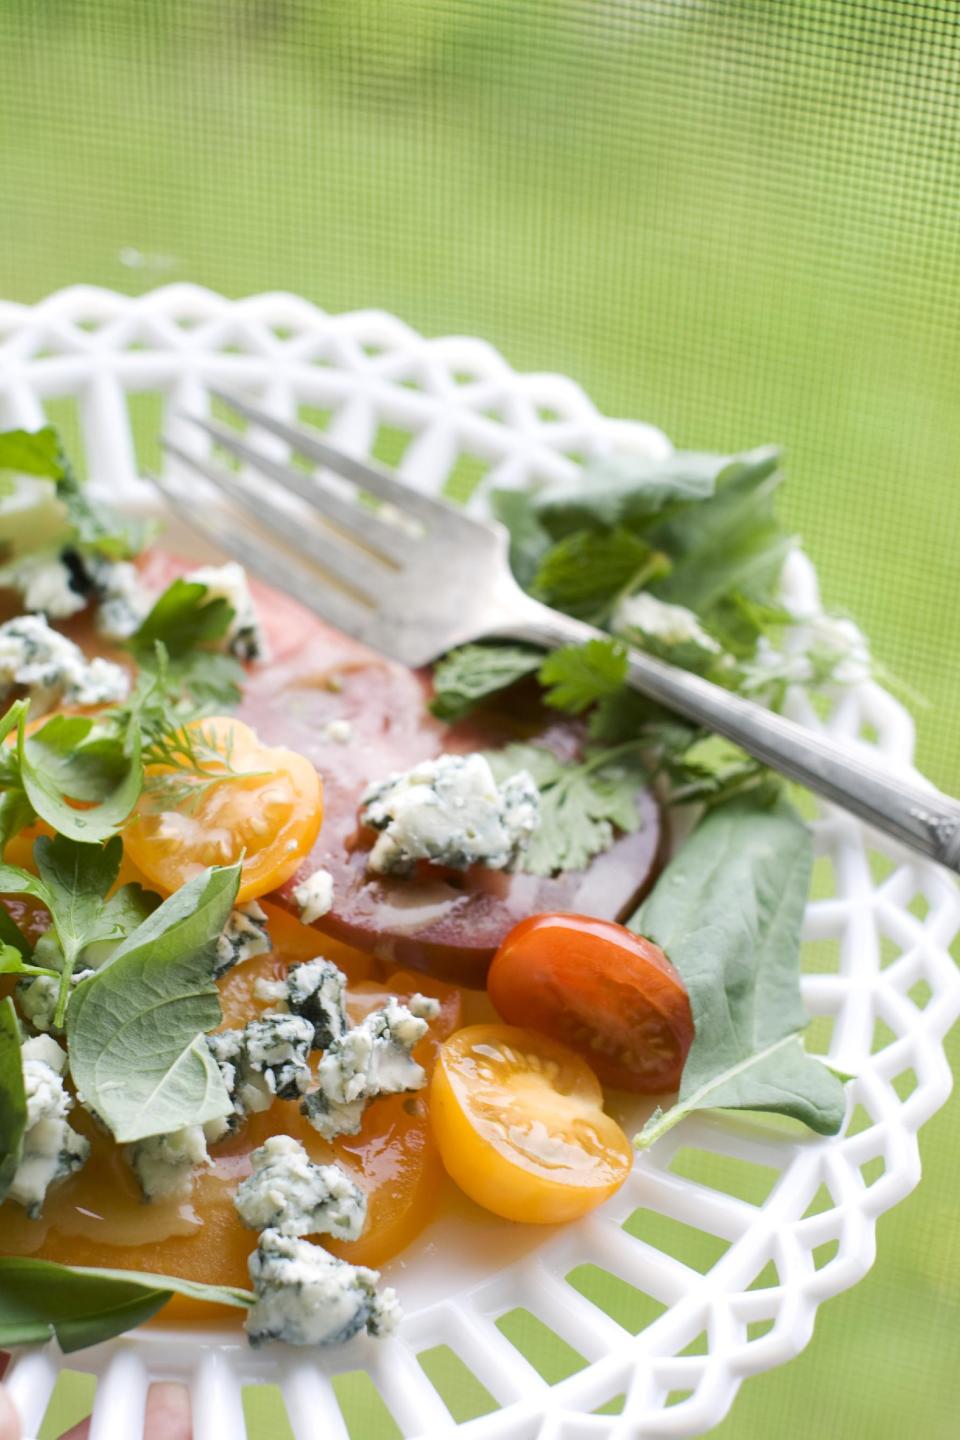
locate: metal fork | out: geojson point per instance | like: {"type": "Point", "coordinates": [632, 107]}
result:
{"type": "Point", "coordinates": [414, 577]}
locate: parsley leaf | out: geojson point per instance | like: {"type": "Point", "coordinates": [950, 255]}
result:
{"type": "Point", "coordinates": [587, 572]}
{"type": "Point", "coordinates": [582, 804]}
{"type": "Point", "coordinates": [471, 674]}
{"type": "Point", "coordinates": [182, 619]}
{"type": "Point", "coordinates": [136, 1026]}
{"type": "Point", "coordinates": [576, 676]}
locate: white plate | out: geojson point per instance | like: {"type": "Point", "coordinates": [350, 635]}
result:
{"type": "Point", "coordinates": [884, 922]}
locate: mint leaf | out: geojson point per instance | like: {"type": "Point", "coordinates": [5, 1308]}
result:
{"type": "Point", "coordinates": [577, 676]}
{"type": "Point", "coordinates": [582, 804]}
{"type": "Point", "coordinates": [79, 1307]}
{"type": "Point", "coordinates": [13, 1101]}
{"type": "Point", "coordinates": [135, 1028]}
{"type": "Point", "coordinates": [470, 675]}
{"type": "Point", "coordinates": [728, 912]}
{"type": "Point", "coordinates": [586, 573]}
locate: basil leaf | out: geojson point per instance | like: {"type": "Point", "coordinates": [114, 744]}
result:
{"type": "Point", "coordinates": [470, 675]}
{"type": "Point", "coordinates": [75, 880]}
{"type": "Point", "coordinates": [728, 912]}
{"type": "Point", "coordinates": [13, 963]}
{"type": "Point", "coordinates": [40, 1301]}
{"type": "Point", "coordinates": [16, 813]}
{"type": "Point", "coordinates": [36, 452]}
{"type": "Point", "coordinates": [13, 1101]}
{"type": "Point", "coordinates": [135, 1028]}
{"type": "Point", "coordinates": [56, 766]}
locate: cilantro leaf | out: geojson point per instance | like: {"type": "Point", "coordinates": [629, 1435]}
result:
{"type": "Point", "coordinates": [13, 1101]}
{"type": "Point", "coordinates": [136, 1026]}
{"type": "Point", "coordinates": [587, 572]}
{"type": "Point", "coordinates": [576, 676]}
{"type": "Point", "coordinates": [466, 677]}
{"type": "Point", "coordinates": [582, 804]}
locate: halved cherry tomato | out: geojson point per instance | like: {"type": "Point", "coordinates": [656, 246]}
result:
{"type": "Point", "coordinates": [268, 807]}
{"type": "Point", "coordinates": [520, 1124]}
{"type": "Point", "coordinates": [609, 994]}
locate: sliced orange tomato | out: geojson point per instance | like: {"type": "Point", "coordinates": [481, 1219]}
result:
{"type": "Point", "coordinates": [520, 1123]}
{"type": "Point", "coordinates": [267, 808]}
{"type": "Point", "coordinates": [609, 994]}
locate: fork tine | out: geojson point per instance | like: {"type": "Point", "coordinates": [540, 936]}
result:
{"type": "Point", "coordinates": [357, 524]}
{"type": "Point", "coordinates": [352, 572]}
{"type": "Point", "coordinates": [251, 549]}
{"type": "Point", "coordinates": [368, 476]}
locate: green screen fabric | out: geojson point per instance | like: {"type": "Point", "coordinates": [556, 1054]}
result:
{"type": "Point", "coordinates": [736, 220]}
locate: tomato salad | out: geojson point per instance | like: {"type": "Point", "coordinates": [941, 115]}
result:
{"type": "Point", "coordinates": [294, 940]}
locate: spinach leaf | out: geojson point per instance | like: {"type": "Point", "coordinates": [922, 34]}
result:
{"type": "Point", "coordinates": [40, 1301]}
{"type": "Point", "coordinates": [466, 677]}
{"type": "Point", "coordinates": [13, 1101]}
{"type": "Point", "coordinates": [582, 804]}
{"type": "Point", "coordinates": [728, 912]}
{"type": "Point", "coordinates": [135, 1028]}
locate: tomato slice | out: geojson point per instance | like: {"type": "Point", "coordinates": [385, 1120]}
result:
{"type": "Point", "coordinates": [607, 993]}
{"type": "Point", "coordinates": [267, 808]}
{"type": "Point", "coordinates": [521, 1128]}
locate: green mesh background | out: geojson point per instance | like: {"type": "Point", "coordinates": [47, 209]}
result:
{"type": "Point", "coordinates": [738, 220]}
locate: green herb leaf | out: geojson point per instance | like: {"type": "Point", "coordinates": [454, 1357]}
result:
{"type": "Point", "coordinates": [577, 676]}
{"type": "Point", "coordinates": [728, 912]}
{"type": "Point", "coordinates": [627, 490]}
{"type": "Point", "coordinates": [13, 1101]}
{"type": "Point", "coordinates": [74, 758]}
{"type": "Point", "coordinates": [136, 1027]}
{"type": "Point", "coordinates": [40, 1301]}
{"type": "Point", "coordinates": [529, 541]}
{"type": "Point", "coordinates": [13, 963]}
{"type": "Point", "coordinates": [582, 805]}
{"type": "Point", "coordinates": [182, 619]}
{"type": "Point", "coordinates": [470, 675]}
{"type": "Point", "coordinates": [586, 573]}
{"type": "Point", "coordinates": [35, 452]}
{"type": "Point", "coordinates": [11, 936]}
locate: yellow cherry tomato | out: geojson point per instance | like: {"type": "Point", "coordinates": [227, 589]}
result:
{"type": "Point", "coordinates": [267, 807]}
{"type": "Point", "coordinates": [520, 1124]}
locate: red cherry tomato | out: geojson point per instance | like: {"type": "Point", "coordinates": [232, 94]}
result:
{"type": "Point", "coordinates": [607, 993]}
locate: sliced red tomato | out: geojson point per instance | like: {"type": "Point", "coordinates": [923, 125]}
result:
{"type": "Point", "coordinates": [607, 993]}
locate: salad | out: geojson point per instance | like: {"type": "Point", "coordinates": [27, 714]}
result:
{"type": "Point", "coordinates": [293, 937]}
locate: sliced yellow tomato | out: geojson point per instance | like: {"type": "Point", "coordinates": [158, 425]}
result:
{"type": "Point", "coordinates": [520, 1123]}
{"type": "Point", "coordinates": [267, 808]}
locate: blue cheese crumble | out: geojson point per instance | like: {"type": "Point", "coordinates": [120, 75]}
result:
{"type": "Point", "coordinates": [452, 811]}
{"type": "Point", "coordinates": [244, 936]}
{"type": "Point", "coordinates": [244, 637]}
{"type": "Point", "coordinates": [314, 896]}
{"type": "Point", "coordinates": [657, 625]}
{"type": "Point", "coordinates": [263, 1062]}
{"type": "Point", "coordinates": [45, 583]}
{"type": "Point", "coordinates": [165, 1164]}
{"type": "Point", "coordinates": [315, 990]}
{"type": "Point", "coordinates": [51, 1149]}
{"type": "Point", "coordinates": [53, 669]}
{"type": "Point", "coordinates": [304, 1296]}
{"type": "Point", "coordinates": [289, 1193]}
{"type": "Point", "coordinates": [122, 599]}
{"type": "Point", "coordinates": [37, 998]}
{"type": "Point", "coordinates": [373, 1058]}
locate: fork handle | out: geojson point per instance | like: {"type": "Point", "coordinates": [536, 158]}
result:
{"type": "Point", "coordinates": [918, 815]}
